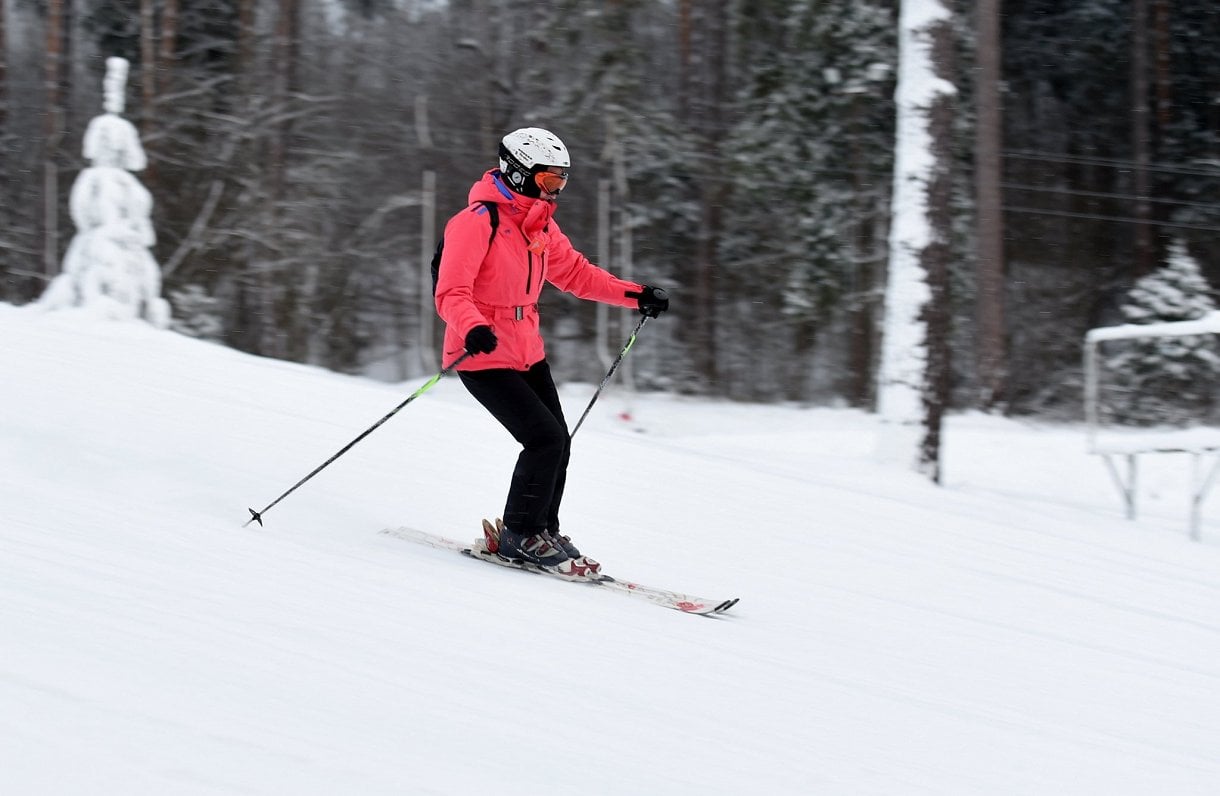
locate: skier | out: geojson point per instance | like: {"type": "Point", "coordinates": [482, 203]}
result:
{"type": "Point", "coordinates": [496, 255]}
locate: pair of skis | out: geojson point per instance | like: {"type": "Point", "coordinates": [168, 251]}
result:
{"type": "Point", "coordinates": [662, 597]}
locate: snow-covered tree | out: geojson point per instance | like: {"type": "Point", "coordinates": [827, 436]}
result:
{"type": "Point", "coordinates": [811, 131]}
{"type": "Point", "coordinates": [913, 378]}
{"type": "Point", "coordinates": [108, 266]}
{"type": "Point", "coordinates": [1165, 380]}
{"type": "Point", "coordinates": [1176, 292]}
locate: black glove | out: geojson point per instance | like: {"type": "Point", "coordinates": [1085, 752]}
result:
{"type": "Point", "coordinates": [653, 300]}
{"type": "Point", "coordinates": [481, 340]}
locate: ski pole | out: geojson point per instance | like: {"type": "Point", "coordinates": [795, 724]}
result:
{"type": "Point", "coordinates": [257, 516]}
{"type": "Point", "coordinates": [609, 373]}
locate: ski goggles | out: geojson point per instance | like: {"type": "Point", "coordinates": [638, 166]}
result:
{"type": "Point", "coordinates": [551, 183]}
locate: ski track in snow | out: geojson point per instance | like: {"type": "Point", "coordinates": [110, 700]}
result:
{"type": "Point", "coordinates": [1008, 633]}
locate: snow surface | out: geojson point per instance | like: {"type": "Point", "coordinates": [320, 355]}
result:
{"type": "Point", "coordinates": [1008, 633]}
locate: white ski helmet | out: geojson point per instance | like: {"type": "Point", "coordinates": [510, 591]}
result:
{"type": "Point", "coordinates": [525, 152]}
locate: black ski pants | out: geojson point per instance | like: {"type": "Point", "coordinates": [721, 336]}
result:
{"type": "Point", "coordinates": [527, 404]}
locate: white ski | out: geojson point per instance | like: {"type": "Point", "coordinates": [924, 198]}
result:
{"type": "Point", "coordinates": [662, 597]}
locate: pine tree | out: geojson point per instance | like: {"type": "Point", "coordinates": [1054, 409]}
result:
{"type": "Point", "coordinates": [1165, 380]}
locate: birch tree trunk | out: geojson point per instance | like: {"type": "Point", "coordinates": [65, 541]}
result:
{"type": "Point", "coordinates": [913, 379]}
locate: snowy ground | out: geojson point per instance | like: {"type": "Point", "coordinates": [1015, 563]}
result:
{"type": "Point", "coordinates": [1009, 633]}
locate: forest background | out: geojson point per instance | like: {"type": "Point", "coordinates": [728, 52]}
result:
{"type": "Point", "coordinates": [304, 155]}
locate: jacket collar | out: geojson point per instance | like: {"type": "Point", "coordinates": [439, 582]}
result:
{"type": "Point", "coordinates": [532, 215]}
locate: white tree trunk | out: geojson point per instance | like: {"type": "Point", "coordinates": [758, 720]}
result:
{"type": "Point", "coordinates": [907, 381]}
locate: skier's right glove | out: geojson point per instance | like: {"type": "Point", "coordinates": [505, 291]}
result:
{"type": "Point", "coordinates": [481, 340]}
{"type": "Point", "coordinates": [653, 300]}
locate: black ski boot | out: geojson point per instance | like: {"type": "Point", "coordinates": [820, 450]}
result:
{"type": "Point", "coordinates": [534, 548]}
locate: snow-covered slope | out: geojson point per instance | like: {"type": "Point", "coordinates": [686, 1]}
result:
{"type": "Point", "coordinates": [1008, 633]}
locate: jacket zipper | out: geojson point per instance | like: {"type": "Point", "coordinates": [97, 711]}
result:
{"type": "Point", "coordinates": [529, 275]}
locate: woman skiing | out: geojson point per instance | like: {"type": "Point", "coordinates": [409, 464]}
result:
{"type": "Point", "coordinates": [497, 254]}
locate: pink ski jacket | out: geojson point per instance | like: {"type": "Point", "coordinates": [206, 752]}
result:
{"type": "Point", "coordinates": [498, 284]}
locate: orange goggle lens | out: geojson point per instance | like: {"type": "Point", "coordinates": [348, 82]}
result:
{"type": "Point", "coordinates": [549, 182]}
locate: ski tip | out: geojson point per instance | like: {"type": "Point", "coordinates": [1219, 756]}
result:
{"type": "Point", "coordinates": [254, 517]}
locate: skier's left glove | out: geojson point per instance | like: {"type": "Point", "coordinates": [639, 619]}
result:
{"type": "Point", "coordinates": [652, 300]}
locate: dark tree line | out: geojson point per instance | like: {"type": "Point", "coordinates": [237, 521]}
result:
{"type": "Point", "coordinates": [1096, 189]}
{"type": "Point", "coordinates": [303, 156]}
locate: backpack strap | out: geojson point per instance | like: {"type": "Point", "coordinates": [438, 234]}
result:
{"type": "Point", "coordinates": [493, 215]}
